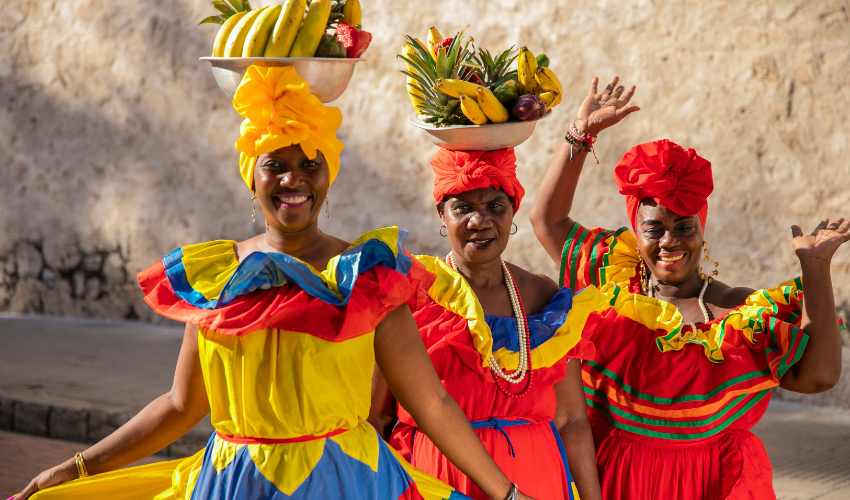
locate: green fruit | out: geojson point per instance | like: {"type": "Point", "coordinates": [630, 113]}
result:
{"type": "Point", "coordinates": [507, 92]}
{"type": "Point", "coordinates": [330, 47]}
{"type": "Point", "coordinates": [543, 60]}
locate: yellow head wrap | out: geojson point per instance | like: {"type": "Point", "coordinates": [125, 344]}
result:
{"type": "Point", "coordinates": [280, 111]}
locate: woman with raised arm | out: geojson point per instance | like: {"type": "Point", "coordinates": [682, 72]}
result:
{"type": "Point", "coordinates": [502, 340]}
{"type": "Point", "coordinates": [684, 365]}
{"type": "Point", "coordinates": [283, 331]}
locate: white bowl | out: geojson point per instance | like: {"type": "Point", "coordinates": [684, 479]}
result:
{"type": "Point", "coordinates": [479, 137]}
{"type": "Point", "coordinates": [328, 76]}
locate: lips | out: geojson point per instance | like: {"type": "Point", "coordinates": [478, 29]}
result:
{"type": "Point", "coordinates": [670, 257]}
{"type": "Point", "coordinates": [291, 200]}
{"type": "Point", "coordinates": [480, 242]}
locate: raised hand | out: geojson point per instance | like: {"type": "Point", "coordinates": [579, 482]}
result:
{"type": "Point", "coordinates": [823, 241]}
{"type": "Point", "coordinates": [599, 111]}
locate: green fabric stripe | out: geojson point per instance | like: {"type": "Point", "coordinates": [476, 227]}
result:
{"type": "Point", "coordinates": [574, 257]}
{"type": "Point", "coordinates": [602, 278]}
{"type": "Point", "coordinates": [678, 423]}
{"type": "Point", "coordinates": [631, 391]}
{"type": "Point", "coordinates": [591, 265]}
{"type": "Point", "coordinates": [567, 242]}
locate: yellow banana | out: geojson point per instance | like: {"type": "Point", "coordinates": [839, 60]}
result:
{"type": "Point", "coordinates": [352, 13]}
{"type": "Point", "coordinates": [416, 97]}
{"type": "Point", "coordinates": [455, 88]}
{"type": "Point", "coordinates": [224, 32]}
{"type": "Point", "coordinates": [236, 40]}
{"type": "Point", "coordinates": [490, 105]}
{"type": "Point", "coordinates": [435, 38]}
{"type": "Point", "coordinates": [286, 28]}
{"type": "Point", "coordinates": [258, 35]}
{"type": "Point", "coordinates": [472, 110]}
{"type": "Point", "coordinates": [547, 80]}
{"type": "Point", "coordinates": [548, 99]}
{"type": "Point", "coordinates": [312, 29]}
{"type": "Point", "coordinates": [526, 68]}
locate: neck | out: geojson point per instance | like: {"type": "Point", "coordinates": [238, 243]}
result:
{"type": "Point", "coordinates": [689, 288]}
{"type": "Point", "coordinates": [304, 244]}
{"type": "Point", "coordinates": [481, 274]}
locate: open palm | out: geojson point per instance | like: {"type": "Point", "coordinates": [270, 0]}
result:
{"type": "Point", "coordinates": [823, 241]}
{"type": "Point", "coordinates": [599, 111]}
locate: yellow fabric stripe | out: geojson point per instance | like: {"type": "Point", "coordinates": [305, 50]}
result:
{"type": "Point", "coordinates": [209, 265]}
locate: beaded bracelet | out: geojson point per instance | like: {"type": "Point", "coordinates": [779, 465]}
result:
{"type": "Point", "coordinates": [580, 140]}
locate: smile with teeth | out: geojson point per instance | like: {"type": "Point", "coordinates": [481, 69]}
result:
{"type": "Point", "coordinates": [671, 257]}
{"type": "Point", "coordinates": [292, 199]}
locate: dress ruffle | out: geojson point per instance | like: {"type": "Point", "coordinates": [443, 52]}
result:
{"type": "Point", "coordinates": [206, 285]}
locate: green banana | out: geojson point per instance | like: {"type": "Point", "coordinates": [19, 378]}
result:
{"type": "Point", "coordinates": [312, 29]}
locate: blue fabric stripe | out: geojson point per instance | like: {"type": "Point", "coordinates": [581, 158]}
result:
{"type": "Point", "coordinates": [261, 270]}
{"type": "Point", "coordinates": [336, 475]}
{"type": "Point", "coordinates": [568, 477]}
{"type": "Point", "coordinates": [542, 325]}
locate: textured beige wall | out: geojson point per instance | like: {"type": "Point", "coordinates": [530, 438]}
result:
{"type": "Point", "coordinates": [115, 144]}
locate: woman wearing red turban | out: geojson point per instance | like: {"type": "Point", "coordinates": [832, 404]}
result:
{"type": "Point", "coordinates": [500, 339]}
{"type": "Point", "coordinates": [684, 364]}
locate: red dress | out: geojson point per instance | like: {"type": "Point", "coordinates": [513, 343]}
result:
{"type": "Point", "coordinates": [517, 432]}
{"type": "Point", "coordinates": [672, 405]}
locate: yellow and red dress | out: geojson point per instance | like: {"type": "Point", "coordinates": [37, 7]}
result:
{"type": "Point", "coordinates": [671, 404]}
{"type": "Point", "coordinates": [287, 358]}
{"type": "Point", "coordinates": [518, 432]}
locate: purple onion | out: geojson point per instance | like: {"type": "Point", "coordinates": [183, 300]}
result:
{"type": "Point", "coordinates": [528, 107]}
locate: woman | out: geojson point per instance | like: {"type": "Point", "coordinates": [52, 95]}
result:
{"type": "Point", "coordinates": [500, 340]}
{"type": "Point", "coordinates": [685, 365]}
{"type": "Point", "coordinates": [282, 330]}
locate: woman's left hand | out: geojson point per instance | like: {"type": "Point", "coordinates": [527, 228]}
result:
{"type": "Point", "coordinates": [822, 242]}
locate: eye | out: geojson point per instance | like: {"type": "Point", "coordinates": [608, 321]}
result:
{"type": "Point", "coordinates": [653, 232]}
{"type": "Point", "coordinates": [310, 165]}
{"type": "Point", "coordinates": [685, 228]}
{"type": "Point", "coordinates": [460, 208]}
{"type": "Point", "coordinates": [497, 206]}
{"type": "Point", "coordinates": [272, 165]}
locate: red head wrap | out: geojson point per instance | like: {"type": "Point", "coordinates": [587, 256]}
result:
{"type": "Point", "coordinates": [674, 177]}
{"type": "Point", "coordinates": [461, 171]}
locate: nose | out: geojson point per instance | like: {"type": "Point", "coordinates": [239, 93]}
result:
{"type": "Point", "coordinates": [289, 178]}
{"type": "Point", "coordinates": [668, 239]}
{"type": "Point", "coordinates": [478, 220]}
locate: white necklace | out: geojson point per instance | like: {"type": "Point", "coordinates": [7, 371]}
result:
{"type": "Point", "coordinates": [518, 375]}
{"type": "Point", "coordinates": [700, 300]}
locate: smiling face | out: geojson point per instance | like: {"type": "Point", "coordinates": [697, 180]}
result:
{"type": "Point", "coordinates": [291, 188]}
{"type": "Point", "coordinates": [478, 223]}
{"type": "Point", "coordinates": [670, 244]}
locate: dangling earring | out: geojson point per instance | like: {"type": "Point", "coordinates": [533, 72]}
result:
{"type": "Point", "coordinates": [444, 231]}
{"type": "Point", "coordinates": [514, 228]}
{"type": "Point", "coordinates": [707, 257]}
{"type": "Point", "coordinates": [328, 208]}
{"type": "Point", "coordinates": [253, 210]}
{"type": "Point", "coordinates": [644, 279]}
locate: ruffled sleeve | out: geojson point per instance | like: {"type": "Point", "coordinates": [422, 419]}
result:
{"type": "Point", "coordinates": [206, 285]}
{"type": "Point", "coordinates": [596, 256]}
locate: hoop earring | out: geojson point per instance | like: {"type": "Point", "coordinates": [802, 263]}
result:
{"type": "Point", "coordinates": [707, 257]}
{"type": "Point", "coordinates": [444, 231]}
{"type": "Point", "coordinates": [253, 209]}
{"type": "Point", "coordinates": [514, 228]}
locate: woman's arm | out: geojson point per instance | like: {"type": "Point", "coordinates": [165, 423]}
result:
{"type": "Point", "coordinates": [383, 410]}
{"type": "Point", "coordinates": [411, 377]}
{"type": "Point", "coordinates": [820, 366]}
{"type": "Point", "coordinates": [550, 214]}
{"type": "Point", "coordinates": [157, 425]}
{"type": "Point", "coordinates": [572, 423]}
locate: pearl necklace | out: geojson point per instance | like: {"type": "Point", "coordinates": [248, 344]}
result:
{"type": "Point", "coordinates": [706, 314]}
{"type": "Point", "coordinates": [523, 370]}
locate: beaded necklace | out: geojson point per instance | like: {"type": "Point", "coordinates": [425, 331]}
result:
{"type": "Point", "coordinates": [523, 371]}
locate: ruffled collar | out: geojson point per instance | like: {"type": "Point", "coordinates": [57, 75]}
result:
{"type": "Point", "coordinates": [542, 324]}
{"type": "Point", "coordinates": [209, 275]}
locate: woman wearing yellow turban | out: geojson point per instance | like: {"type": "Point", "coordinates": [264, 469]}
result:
{"type": "Point", "coordinates": [282, 335]}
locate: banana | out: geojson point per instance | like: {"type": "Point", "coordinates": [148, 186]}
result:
{"type": "Point", "coordinates": [455, 88]}
{"type": "Point", "coordinates": [548, 80]}
{"type": "Point", "coordinates": [490, 105]}
{"type": "Point", "coordinates": [471, 110]}
{"type": "Point", "coordinates": [352, 13]}
{"type": "Point", "coordinates": [416, 97]}
{"type": "Point", "coordinates": [548, 99]}
{"type": "Point", "coordinates": [435, 38]}
{"type": "Point", "coordinates": [526, 67]}
{"type": "Point", "coordinates": [224, 32]}
{"type": "Point", "coordinates": [237, 37]}
{"type": "Point", "coordinates": [286, 28]}
{"type": "Point", "coordinates": [312, 29]}
{"type": "Point", "coordinates": [258, 35]}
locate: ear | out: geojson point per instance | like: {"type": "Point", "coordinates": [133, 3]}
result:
{"type": "Point", "coordinates": [441, 211]}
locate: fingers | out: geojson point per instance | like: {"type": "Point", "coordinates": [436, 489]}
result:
{"type": "Point", "coordinates": [594, 86]}
{"type": "Point", "coordinates": [618, 91]}
{"type": "Point", "coordinates": [623, 112]}
{"type": "Point", "coordinates": [609, 89]}
{"type": "Point", "coordinates": [821, 225]}
{"type": "Point", "coordinates": [844, 226]}
{"type": "Point", "coordinates": [628, 95]}
{"type": "Point", "coordinates": [796, 231]}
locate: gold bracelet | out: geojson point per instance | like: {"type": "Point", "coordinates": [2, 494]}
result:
{"type": "Point", "coordinates": [81, 465]}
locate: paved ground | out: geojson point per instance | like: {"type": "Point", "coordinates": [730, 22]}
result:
{"type": "Point", "coordinates": [76, 380]}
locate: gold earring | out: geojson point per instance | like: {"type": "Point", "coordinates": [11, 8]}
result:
{"type": "Point", "coordinates": [253, 209]}
{"type": "Point", "coordinates": [644, 278]}
{"type": "Point", "coordinates": [707, 257]}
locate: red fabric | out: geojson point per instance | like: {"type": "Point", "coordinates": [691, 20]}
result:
{"type": "Point", "coordinates": [674, 177]}
{"type": "Point", "coordinates": [378, 291]}
{"type": "Point", "coordinates": [461, 171]}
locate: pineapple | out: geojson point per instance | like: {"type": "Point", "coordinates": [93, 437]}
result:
{"type": "Point", "coordinates": [495, 72]}
{"type": "Point", "coordinates": [455, 60]}
{"type": "Point", "coordinates": [227, 8]}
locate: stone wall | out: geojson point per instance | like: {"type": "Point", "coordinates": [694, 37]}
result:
{"type": "Point", "coordinates": [115, 144]}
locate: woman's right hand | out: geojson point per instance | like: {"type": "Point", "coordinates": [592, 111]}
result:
{"type": "Point", "coordinates": [599, 111]}
{"type": "Point", "coordinates": [59, 474]}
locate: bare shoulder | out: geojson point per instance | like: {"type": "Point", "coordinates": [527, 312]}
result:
{"type": "Point", "coordinates": [536, 289]}
{"type": "Point", "coordinates": [727, 296]}
{"type": "Point", "coordinates": [245, 248]}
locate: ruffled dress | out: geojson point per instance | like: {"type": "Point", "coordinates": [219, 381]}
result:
{"type": "Point", "coordinates": [672, 405]}
{"type": "Point", "coordinates": [519, 433]}
{"type": "Point", "coordinates": [287, 358]}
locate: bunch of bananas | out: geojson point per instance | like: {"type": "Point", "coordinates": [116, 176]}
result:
{"type": "Point", "coordinates": [291, 29]}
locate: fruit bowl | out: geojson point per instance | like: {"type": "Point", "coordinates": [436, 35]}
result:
{"type": "Point", "coordinates": [479, 137]}
{"type": "Point", "coordinates": [328, 76]}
